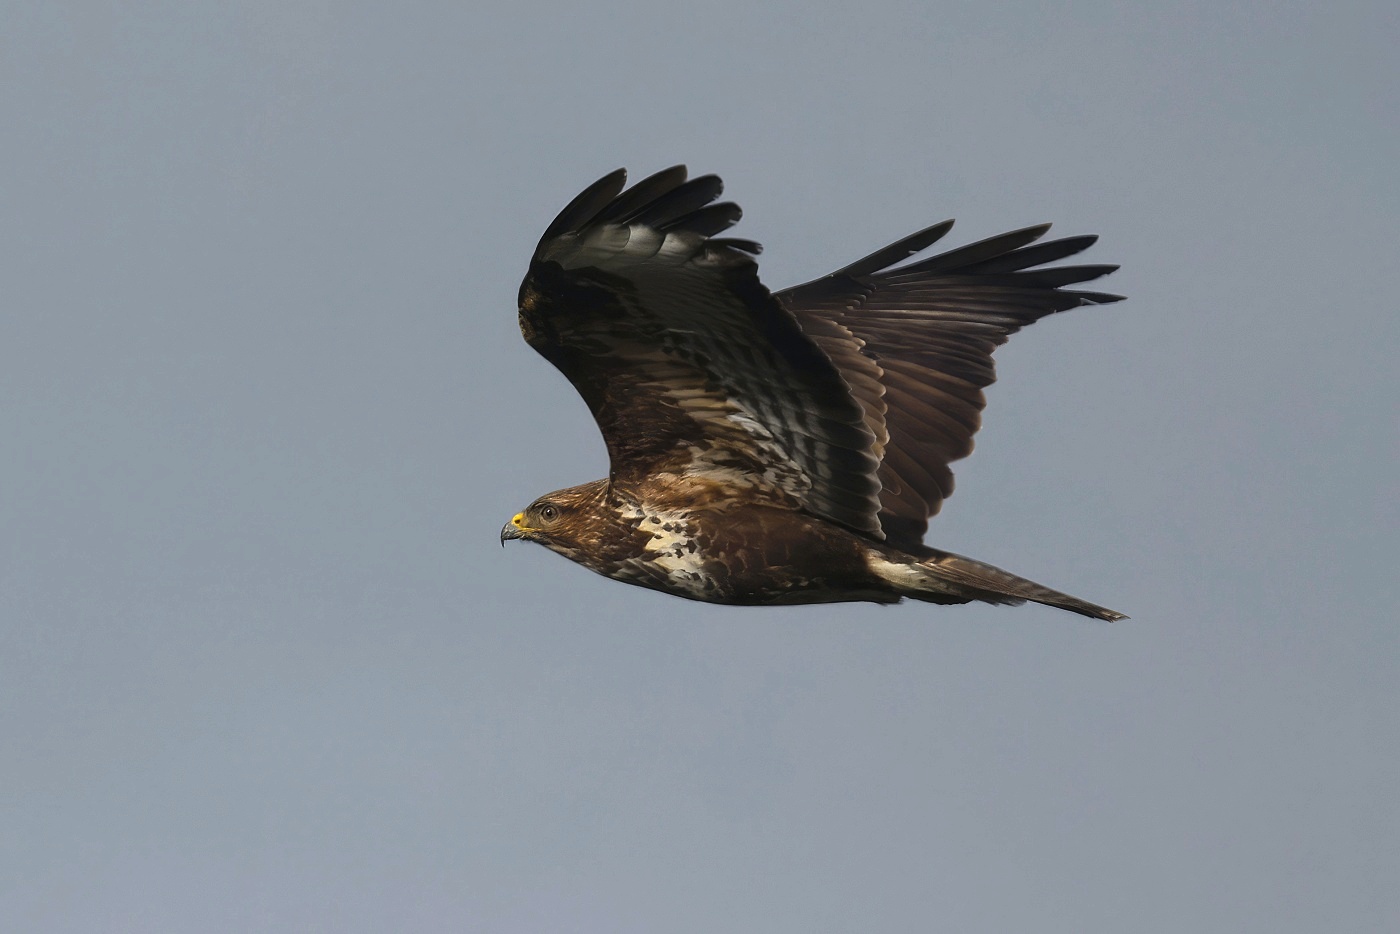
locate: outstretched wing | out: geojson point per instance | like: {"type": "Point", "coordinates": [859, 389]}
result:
{"type": "Point", "coordinates": [690, 366]}
{"type": "Point", "coordinates": [915, 345]}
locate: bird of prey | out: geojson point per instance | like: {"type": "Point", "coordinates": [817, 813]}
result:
{"type": "Point", "coordinates": [775, 447]}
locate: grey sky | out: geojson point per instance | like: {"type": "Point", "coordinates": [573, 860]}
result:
{"type": "Point", "coordinates": [263, 665]}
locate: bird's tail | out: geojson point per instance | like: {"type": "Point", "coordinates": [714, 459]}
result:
{"type": "Point", "coordinates": [943, 577]}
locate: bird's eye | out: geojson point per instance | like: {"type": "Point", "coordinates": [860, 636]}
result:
{"type": "Point", "coordinates": [549, 512]}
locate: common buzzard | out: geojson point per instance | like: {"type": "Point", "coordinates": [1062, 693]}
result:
{"type": "Point", "coordinates": [775, 448]}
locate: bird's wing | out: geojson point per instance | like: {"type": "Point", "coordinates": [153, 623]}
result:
{"type": "Point", "coordinates": [915, 345]}
{"type": "Point", "coordinates": [690, 366]}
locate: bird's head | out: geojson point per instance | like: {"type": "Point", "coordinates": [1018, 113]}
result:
{"type": "Point", "coordinates": [560, 521]}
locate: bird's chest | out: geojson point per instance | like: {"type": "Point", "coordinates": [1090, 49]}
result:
{"type": "Point", "coordinates": [670, 550]}
{"type": "Point", "coordinates": [736, 553]}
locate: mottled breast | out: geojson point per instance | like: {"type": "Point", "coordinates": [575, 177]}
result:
{"type": "Point", "coordinates": [672, 557]}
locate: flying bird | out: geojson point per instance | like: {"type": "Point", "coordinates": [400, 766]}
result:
{"type": "Point", "coordinates": [776, 447]}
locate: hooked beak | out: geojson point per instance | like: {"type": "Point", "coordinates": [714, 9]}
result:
{"type": "Point", "coordinates": [515, 528]}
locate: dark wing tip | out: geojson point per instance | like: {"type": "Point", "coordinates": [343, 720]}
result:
{"type": "Point", "coordinates": [1009, 260]}
{"type": "Point", "coordinates": [666, 210]}
{"type": "Point", "coordinates": [586, 205]}
{"type": "Point", "coordinates": [711, 219]}
{"type": "Point", "coordinates": [965, 258]}
{"type": "Point", "coordinates": [665, 201]}
{"type": "Point", "coordinates": [736, 243]}
{"type": "Point", "coordinates": [898, 251]}
{"type": "Point", "coordinates": [626, 205]}
{"type": "Point", "coordinates": [1037, 255]}
{"type": "Point", "coordinates": [1097, 298]}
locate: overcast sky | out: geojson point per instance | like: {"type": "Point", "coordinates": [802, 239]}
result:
{"type": "Point", "coordinates": [264, 408]}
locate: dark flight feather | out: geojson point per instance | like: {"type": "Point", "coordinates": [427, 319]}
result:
{"type": "Point", "coordinates": [626, 206]}
{"type": "Point", "coordinates": [930, 327]}
{"type": "Point", "coordinates": [587, 204]}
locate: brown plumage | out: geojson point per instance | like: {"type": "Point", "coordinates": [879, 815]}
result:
{"type": "Point", "coordinates": [775, 448]}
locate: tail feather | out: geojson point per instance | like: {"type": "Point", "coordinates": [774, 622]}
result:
{"type": "Point", "coordinates": [943, 577]}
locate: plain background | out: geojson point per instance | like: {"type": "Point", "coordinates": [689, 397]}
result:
{"type": "Point", "coordinates": [264, 408]}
